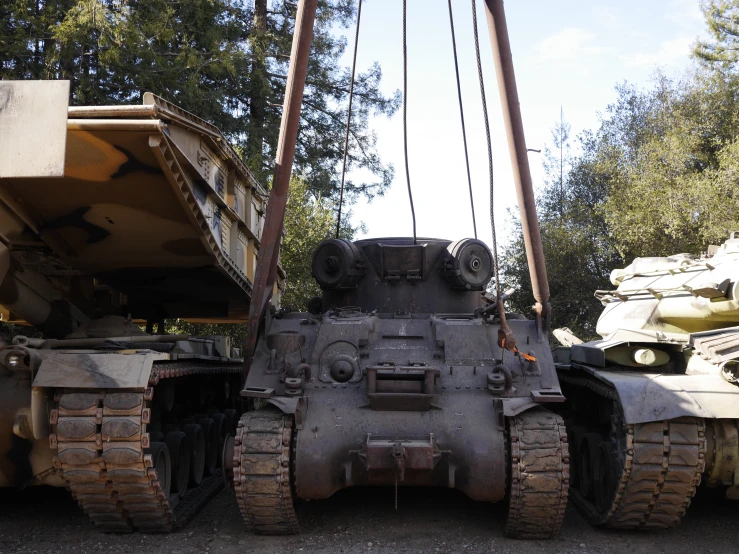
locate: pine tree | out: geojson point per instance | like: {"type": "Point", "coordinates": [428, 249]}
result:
{"type": "Point", "coordinates": [722, 18]}
{"type": "Point", "coordinates": [224, 60]}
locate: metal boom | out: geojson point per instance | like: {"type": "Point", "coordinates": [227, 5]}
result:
{"type": "Point", "coordinates": [266, 270]}
{"type": "Point", "coordinates": [519, 158]}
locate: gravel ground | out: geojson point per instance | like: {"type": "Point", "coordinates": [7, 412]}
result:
{"type": "Point", "coordinates": [363, 520]}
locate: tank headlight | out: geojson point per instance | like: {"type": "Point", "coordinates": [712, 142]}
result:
{"type": "Point", "coordinates": [13, 360]}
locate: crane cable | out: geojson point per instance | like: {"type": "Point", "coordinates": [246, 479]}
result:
{"type": "Point", "coordinates": [349, 118]}
{"type": "Point", "coordinates": [506, 339]}
{"type": "Point", "coordinates": [405, 124]}
{"type": "Point", "coordinates": [461, 115]}
{"type": "Point", "coordinates": [490, 148]}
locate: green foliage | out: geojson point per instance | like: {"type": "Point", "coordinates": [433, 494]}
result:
{"type": "Point", "coordinates": [664, 152]}
{"type": "Point", "coordinates": [658, 177]}
{"type": "Point", "coordinates": [215, 58]}
{"type": "Point", "coordinates": [574, 235]}
{"type": "Point", "coordinates": [309, 219]}
{"type": "Point", "coordinates": [722, 19]}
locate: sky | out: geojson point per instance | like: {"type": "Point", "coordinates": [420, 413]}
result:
{"type": "Point", "coordinates": [567, 54]}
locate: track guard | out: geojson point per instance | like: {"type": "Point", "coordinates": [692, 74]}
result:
{"type": "Point", "coordinates": [648, 397]}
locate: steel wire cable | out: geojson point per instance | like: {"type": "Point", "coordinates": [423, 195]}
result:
{"type": "Point", "coordinates": [461, 115]}
{"type": "Point", "coordinates": [405, 123]}
{"type": "Point", "coordinates": [490, 147]}
{"type": "Point", "coordinates": [349, 117]}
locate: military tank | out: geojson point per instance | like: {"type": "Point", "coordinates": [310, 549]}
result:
{"type": "Point", "coordinates": [406, 371]}
{"type": "Point", "coordinates": [126, 216]}
{"type": "Point", "coordinates": [652, 407]}
{"type": "Point", "coordinates": [397, 379]}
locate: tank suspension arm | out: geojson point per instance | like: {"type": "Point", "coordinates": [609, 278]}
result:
{"type": "Point", "coordinates": [519, 158]}
{"type": "Point", "coordinates": [266, 271]}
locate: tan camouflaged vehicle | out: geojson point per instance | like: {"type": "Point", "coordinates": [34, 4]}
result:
{"type": "Point", "coordinates": [113, 219]}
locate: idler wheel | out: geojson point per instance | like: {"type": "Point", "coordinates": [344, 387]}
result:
{"type": "Point", "coordinates": [179, 452]}
{"type": "Point", "coordinates": [196, 443]}
{"type": "Point", "coordinates": [212, 446]}
{"type": "Point", "coordinates": [602, 476]}
{"type": "Point", "coordinates": [588, 453]}
{"type": "Point", "coordinates": [162, 464]}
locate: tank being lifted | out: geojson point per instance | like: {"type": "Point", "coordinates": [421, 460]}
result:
{"type": "Point", "coordinates": [401, 374]}
{"type": "Point", "coordinates": [111, 217]}
{"type": "Point", "coordinates": [396, 379]}
{"type": "Point", "coordinates": [652, 408]}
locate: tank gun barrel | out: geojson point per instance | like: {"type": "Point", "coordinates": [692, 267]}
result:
{"type": "Point", "coordinates": [519, 157]}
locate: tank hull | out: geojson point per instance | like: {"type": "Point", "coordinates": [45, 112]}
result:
{"type": "Point", "coordinates": [379, 389]}
{"type": "Point", "coordinates": [655, 401]}
{"type": "Point", "coordinates": [352, 446]}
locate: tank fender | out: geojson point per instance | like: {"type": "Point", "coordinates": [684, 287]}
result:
{"type": "Point", "coordinates": [94, 370]}
{"type": "Point", "coordinates": [294, 406]}
{"type": "Point", "coordinates": [649, 397]}
{"type": "Point", "coordinates": [514, 406]}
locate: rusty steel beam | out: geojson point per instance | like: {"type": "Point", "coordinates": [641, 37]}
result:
{"type": "Point", "coordinates": [519, 157]}
{"type": "Point", "coordinates": [266, 270]}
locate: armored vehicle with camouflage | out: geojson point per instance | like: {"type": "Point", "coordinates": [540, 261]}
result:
{"type": "Point", "coordinates": [652, 407]}
{"type": "Point", "coordinates": [113, 219]}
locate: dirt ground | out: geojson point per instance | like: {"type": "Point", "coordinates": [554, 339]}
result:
{"type": "Point", "coordinates": [354, 521]}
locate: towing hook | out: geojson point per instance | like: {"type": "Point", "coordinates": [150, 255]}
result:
{"type": "Point", "coordinates": [399, 455]}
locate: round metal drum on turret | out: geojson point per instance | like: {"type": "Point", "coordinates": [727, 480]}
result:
{"type": "Point", "coordinates": [368, 274]}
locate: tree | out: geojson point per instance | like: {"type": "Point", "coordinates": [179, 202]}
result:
{"type": "Point", "coordinates": [558, 156]}
{"type": "Point", "coordinates": [658, 177]}
{"type": "Point", "coordinates": [722, 18]}
{"type": "Point", "coordinates": [309, 219]}
{"type": "Point", "coordinates": [663, 149]}
{"type": "Point", "coordinates": [575, 238]}
{"type": "Point", "coordinates": [224, 60]}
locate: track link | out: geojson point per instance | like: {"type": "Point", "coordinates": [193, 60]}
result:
{"type": "Point", "coordinates": [262, 472]}
{"type": "Point", "coordinates": [539, 479]}
{"type": "Point", "coordinates": [658, 473]}
{"type": "Point", "coordinates": [103, 455]}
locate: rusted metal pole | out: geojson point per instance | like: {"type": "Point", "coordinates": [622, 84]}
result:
{"type": "Point", "coordinates": [266, 271]}
{"type": "Point", "coordinates": [519, 158]}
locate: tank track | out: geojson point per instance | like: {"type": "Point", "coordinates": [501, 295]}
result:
{"type": "Point", "coordinates": [263, 471]}
{"type": "Point", "coordinates": [539, 480]}
{"type": "Point", "coordinates": [659, 474]}
{"type": "Point", "coordinates": [103, 456]}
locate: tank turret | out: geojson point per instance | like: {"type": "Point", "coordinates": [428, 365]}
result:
{"type": "Point", "coordinates": [444, 276]}
{"type": "Point", "coordinates": [660, 388]}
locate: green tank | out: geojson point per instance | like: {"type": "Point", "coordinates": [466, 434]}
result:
{"type": "Point", "coordinates": [652, 407]}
